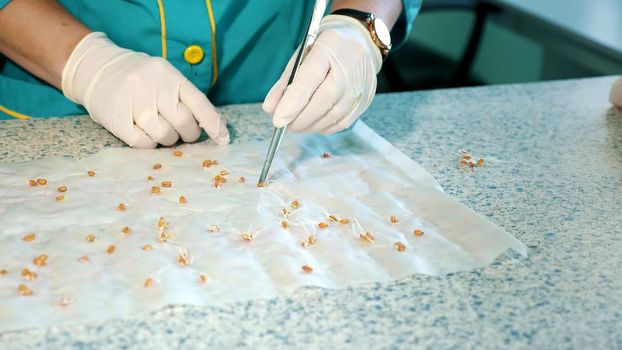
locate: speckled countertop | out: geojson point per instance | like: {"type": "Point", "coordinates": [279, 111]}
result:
{"type": "Point", "coordinates": [553, 179]}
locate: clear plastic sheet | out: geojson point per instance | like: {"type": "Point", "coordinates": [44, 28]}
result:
{"type": "Point", "coordinates": [365, 180]}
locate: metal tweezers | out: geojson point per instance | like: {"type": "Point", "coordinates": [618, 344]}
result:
{"type": "Point", "coordinates": [307, 43]}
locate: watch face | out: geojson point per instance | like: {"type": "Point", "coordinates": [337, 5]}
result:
{"type": "Point", "coordinates": [382, 32]}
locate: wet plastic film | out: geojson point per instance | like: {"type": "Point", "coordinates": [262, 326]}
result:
{"type": "Point", "coordinates": [136, 230]}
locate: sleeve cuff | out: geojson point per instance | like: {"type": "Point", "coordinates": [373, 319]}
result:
{"type": "Point", "coordinates": [3, 3]}
{"type": "Point", "coordinates": [402, 27]}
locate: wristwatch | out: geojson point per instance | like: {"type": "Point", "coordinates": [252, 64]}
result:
{"type": "Point", "coordinates": [378, 31]}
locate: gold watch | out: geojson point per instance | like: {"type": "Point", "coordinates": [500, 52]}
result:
{"type": "Point", "coordinates": [378, 31]}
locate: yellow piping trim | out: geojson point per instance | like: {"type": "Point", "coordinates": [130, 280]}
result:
{"type": "Point", "coordinates": [212, 22]}
{"type": "Point", "coordinates": [13, 113]}
{"type": "Point", "coordinates": [162, 28]}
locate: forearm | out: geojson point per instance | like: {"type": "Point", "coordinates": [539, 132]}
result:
{"type": "Point", "coordinates": [387, 10]}
{"type": "Point", "coordinates": [39, 35]}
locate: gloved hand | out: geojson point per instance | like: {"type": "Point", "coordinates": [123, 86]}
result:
{"type": "Point", "coordinates": [616, 93]}
{"type": "Point", "coordinates": [142, 100]}
{"type": "Point", "coordinates": [335, 83]}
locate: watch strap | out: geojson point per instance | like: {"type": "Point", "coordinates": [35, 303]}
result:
{"type": "Point", "coordinates": [360, 15]}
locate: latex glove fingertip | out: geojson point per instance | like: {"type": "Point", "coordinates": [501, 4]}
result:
{"type": "Point", "coordinates": [223, 133]}
{"type": "Point", "coordinates": [222, 141]}
{"type": "Point", "coordinates": [280, 122]}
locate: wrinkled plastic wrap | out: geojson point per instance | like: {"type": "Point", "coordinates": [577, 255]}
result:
{"type": "Point", "coordinates": [365, 181]}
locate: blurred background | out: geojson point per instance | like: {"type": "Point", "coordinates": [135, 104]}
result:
{"type": "Point", "coordinates": [457, 43]}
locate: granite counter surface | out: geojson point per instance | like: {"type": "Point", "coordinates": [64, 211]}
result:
{"type": "Point", "coordinates": [553, 179]}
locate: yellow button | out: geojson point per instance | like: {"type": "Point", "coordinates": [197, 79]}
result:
{"type": "Point", "coordinates": [193, 54]}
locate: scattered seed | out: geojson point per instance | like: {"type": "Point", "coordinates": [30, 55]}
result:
{"type": "Point", "coordinates": [162, 223]}
{"type": "Point", "coordinates": [147, 247]}
{"type": "Point", "coordinates": [3, 273]}
{"type": "Point", "coordinates": [183, 260]}
{"type": "Point", "coordinates": [32, 182]}
{"type": "Point", "coordinates": [209, 163]}
{"type": "Point", "coordinates": [177, 153]}
{"type": "Point", "coordinates": [167, 184]}
{"type": "Point", "coordinates": [149, 178]}
{"type": "Point", "coordinates": [90, 173]}
{"type": "Point", "coordinates": [125, 230]}
{"type": "Point", "coordinates": [307, 268]}
{"type": "Point", "coordinates": [467, 161]}
{"type": "Point", "coordinates": [418, 233]}
{"type": "Point", "coordinates": [399, 246]}
{"type": "Point", "coordinates": [155, 190]}
{"type": "Point", "coordinates": [284, 212]}
{"type": "Point", "coordinates": [295, 205]}
{"type": "Point", "coordinates": [333, 218]}
{"type": "Point", "coordinates": [41, 260]}
{"type": "Point", "coordinates": [344, 221]}
{"type": "Point", "coordinates": [241, 179]}
{"type": "Point", "coordinates": [42, 181]}
{"type": "Point", "coordinates": [322, 225]}
{"type": "Point", "coordinates": [203, 279]}
{"type": "Point", "coordinates": [182, 200]}
{"type": "Point", "coordinates": [393, 220]}
{"type": "Point", "coordinates": [367, 237]}
{"type": "Point", "coordinates": [111, 248]}
{"type": "Point", "coordinates": [311, 240]}
{"type": "Point", "coordinates": [157, 166]}
{"type": "Point", "coordinates": [148, 282]}
{"type": "Point", "coordinates": [261, 184]}
{"type": "Point", "coordinates": [247, 236]}
{"type": "Point", "coordinates": [121, 206]}
{"type": "Point", "coordinates": [29, 237]}
{"type": "Point", "coordinates": [60, 198]}
{"type": "Point", "coordinates": [84, 259]}
{"type": "Point", "coordinates": [29, 275]}
{"type": "Point", "coordinates": [62, 189]}
{"type": "Point", "coordinates": [285, 224]}
{"type": "Point", "coordinates": [220, 178]}
{"type": "Point", "coordinates": [213, 229]}
{"type": "Point", "coordinates": [23, 290]}
{"type": "Point", "coordinates": [163, 236]}
{"type": "Point", "coordinates": [90, 237]}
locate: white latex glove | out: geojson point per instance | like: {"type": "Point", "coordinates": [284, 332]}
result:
{"type": "Point", "coordinates": [335, 83]}
{"type": "Point", "coordinates": [616, 93]}
{"type": "Point", "coordinates": [142, 100]}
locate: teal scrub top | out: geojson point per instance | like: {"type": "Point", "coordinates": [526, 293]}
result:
{"type": "Point", "coordinates": [253, 41]}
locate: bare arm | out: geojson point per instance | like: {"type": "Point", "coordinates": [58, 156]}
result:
{"type": "Point", "coordinates": [387, 10]}
{"type": "Point", "coordinates": [39, 35]}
